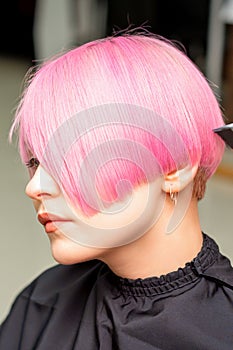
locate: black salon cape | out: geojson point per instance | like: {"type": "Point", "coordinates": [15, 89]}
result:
{"type": "Point", "coordinates": [87, 307]}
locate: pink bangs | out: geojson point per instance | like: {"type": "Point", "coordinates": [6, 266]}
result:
{"type": "Point", "coordinates": [118, 111]}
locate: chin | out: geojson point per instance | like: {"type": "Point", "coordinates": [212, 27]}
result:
{"type": "Point", "coordinates": [68, 252]}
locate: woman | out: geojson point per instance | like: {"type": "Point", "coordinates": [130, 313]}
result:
{"type": "Point", "coordinates": [117, 135]}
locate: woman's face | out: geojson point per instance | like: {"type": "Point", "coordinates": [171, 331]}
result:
{"type": "Point", "coordinates": [75, 237]}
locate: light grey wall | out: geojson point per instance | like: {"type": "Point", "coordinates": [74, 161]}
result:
{"type": "Point", "coordinates": [24, 248]}
{"type": "Point", "coordinates": [216, 212]}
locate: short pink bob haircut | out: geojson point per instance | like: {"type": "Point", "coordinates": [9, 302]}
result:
{"type": "Point", "coordinates": [131, 74]}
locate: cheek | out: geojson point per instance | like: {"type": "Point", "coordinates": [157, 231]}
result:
{"type": "Point", "coordinates": [67, 252]}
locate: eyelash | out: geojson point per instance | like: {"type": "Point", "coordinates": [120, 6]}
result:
{"type": "Point", "coordinates": [33, 163]}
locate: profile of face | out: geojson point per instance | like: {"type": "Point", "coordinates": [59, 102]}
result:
{"type": "Point", "coordinates": [75, 237]}
{"type": "Point", "coordinates": [154, 114]}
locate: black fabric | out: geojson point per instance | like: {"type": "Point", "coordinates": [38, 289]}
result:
{"type": "Point", "coordinates": [87, 307]}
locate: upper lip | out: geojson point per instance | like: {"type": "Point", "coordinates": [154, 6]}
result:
{"type": "Point", "coordinates": [43, 218]}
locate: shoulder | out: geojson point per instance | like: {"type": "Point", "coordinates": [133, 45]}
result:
{"type": "Point", "coordinates": [57, 289]}
{"type": "Point", "coordinates": [214, 265]}
{"type": "Point", "coordinates": [60, 278]}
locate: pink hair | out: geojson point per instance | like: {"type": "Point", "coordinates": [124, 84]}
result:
{"type": "Point", "coordinates": [128, 74]}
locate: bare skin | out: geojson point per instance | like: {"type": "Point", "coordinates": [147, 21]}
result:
{"type": "Point", "coordinates": [153, 254]}
{"type": "Point", "coordinates": [158, 253]}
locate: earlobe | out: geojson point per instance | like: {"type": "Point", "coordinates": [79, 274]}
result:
{"type": "Point", "coordinates": [179, 179]}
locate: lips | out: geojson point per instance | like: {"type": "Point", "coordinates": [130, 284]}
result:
{"type": "Point", "coordinates": [49, 221]}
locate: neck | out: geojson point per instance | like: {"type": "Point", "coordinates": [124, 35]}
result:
{"type": "Point", "coordinates": [157, 253]}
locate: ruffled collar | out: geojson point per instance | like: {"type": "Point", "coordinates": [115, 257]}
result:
{"type": "Point", "coordinates": [173, 280]}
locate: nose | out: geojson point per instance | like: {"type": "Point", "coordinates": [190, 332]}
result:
{"type": "Point", "coordinates": [42, 185]}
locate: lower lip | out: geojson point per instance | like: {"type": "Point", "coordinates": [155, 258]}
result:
{"type": "Point", "coordinates": [50, 226]}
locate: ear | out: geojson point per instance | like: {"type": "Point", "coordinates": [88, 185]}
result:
{"type": "Point", "coordinates": [179, 179]}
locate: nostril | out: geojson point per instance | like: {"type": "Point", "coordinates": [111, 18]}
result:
{"type": "Point", "coordinates": [30, 192]}
{"type": "Point", "coordinates": [41, 185]}
{"type": "Point", "coordinates": [33, 188]}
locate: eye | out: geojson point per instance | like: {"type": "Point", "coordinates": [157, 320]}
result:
{"type": "Point", "coordinates": [33, 163]}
